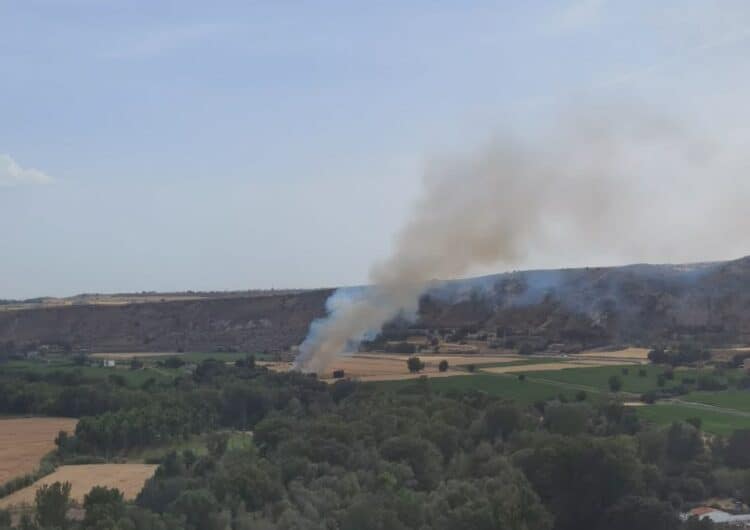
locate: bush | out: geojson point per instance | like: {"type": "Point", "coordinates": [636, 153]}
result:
{"type": "Point", "coordinates": [710, 383]}
{"type": "Point", "coordinates": [414, 364]}
{"type": "Point", "coordinates": [615, 383]}
{"type": "Point", "coordinates": [443, 366]}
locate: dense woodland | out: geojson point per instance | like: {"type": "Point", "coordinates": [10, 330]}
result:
{"type": "Point", "coordinates": [352, 456]}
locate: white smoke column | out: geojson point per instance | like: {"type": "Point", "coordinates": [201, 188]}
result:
{"type": "Point", "coordinates": [584, 185]}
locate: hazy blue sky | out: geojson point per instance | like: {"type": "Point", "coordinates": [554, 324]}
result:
{"type": "Point", "coordinates": [154, 145]}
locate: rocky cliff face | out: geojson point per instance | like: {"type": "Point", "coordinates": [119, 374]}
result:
{"type": "Point", "coordinates": [591, 306]}
{"type": "Point", "coordinates": [638, 303]}
{"type": "Point", "coordinates": [251, 324]}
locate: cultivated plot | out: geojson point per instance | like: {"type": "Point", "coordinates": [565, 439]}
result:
{"type": "Point", "coordinates": [24, 441]}
{"type": "Point", "coordinates": [128, 478]}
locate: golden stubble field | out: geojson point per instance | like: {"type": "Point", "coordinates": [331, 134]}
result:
{"type": "Point", "coordinates": [387, 367]}
{"type": "Point", "coordinates": [128, 478]}
{"type": "Point", "coordinates": [24, 441]}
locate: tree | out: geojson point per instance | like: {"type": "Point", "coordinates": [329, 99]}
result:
{"type": "Point", "coordinates": [502, 419]}
{"type": "Point", "coordinates": [578, 479]}
{"type": "Point", "coordinates": [421, 455]}
{"type": "Point", "coordinates": [684, 442]}
{"type": "Point", "coordinates": [217, 443]}
{"type": "Point", "coordinates": [103, 505]}
{"type": "Point", "coordinates": [443, 366]}
{"type": "Point", "coordinates": [526, 349]}
{"type": "Point", "coordinates": [638, 512]}
{"type": "Point", "coordinates": [52, 503]}
{"type": "Point", "coordinates": [615, 383]}
{"type": "Point", "coordinates": [568, 420]}
{"type": "Point", "coordinates": [414, 364]}
{"type": "Point", "coordinates": [737, 452]}
{"type": "Point", "coordinates": [5, 519]}
{"type": "Point", "coordinates": [198, 507]}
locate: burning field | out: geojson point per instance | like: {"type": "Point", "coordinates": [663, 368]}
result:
{"type": "Point", "coordinates": [24, 441]}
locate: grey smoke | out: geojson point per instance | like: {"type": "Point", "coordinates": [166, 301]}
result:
{"type": "Point", "coordinates": [627, 184]}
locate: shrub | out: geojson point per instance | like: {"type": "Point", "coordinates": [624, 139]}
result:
{"type": "Point", "coordinates": [414, 364]}
{"type": "Point", "coordinates": [615, 383]}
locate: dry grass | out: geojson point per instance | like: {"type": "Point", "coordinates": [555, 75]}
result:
{"type": "Point", "coordinates": [128, 478]}
{"type": "Point", "coordinates": [24, 441]}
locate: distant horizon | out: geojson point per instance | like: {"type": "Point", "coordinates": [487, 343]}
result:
{"type": "Point", "coordinates": [220, 292]}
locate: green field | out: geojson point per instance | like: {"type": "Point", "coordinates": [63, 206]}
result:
{"type": "Point", "coordinates": [712, 421]}
{"type": "Point", "coordinates": [508, 387]}
{"type": "Point", "coordinates": [522, 362]}
{"type": "Point", "coordinates": [730, 399]}
{"type": "Point", "coordinates": [196, 357]}
{"type": "Point", "coordinates": [132, 377]}
{"type": "Point", "coordinates": [196, 444]}
{"type": "Point", "coordinates": [598, 377]}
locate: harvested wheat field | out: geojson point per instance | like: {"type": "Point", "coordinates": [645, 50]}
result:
{"type": "Point", "coordinates": [385, 367]}
{"type": "Point", "coordinates": [24, 441]}
{"type": "Point", "coordinates": [630, 354]}
{"type": "Point", "coordinates": [128, 478]}
{"type": "Point", "coordinates": [570, 365]}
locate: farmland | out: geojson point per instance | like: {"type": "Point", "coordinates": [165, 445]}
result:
{"type": "Point", "coordinates": [511, 388]}
{"type": "Point", "coordinates": [598, 377]}
{"type": "Point", "coordinates": [712, 421]}
{"type": "Point", "coordinates": [128, 478]}
{"type": "Point", "coordinates": [24, 441]}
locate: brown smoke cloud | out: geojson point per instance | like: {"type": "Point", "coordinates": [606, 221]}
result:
{"type": "Point", "coordinates": [627, 184]}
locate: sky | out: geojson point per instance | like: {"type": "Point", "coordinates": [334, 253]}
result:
{"type": "Point", "coordinates": [168, 146]}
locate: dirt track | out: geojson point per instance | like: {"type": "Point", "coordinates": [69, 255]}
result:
{"type": "Point", "coordinates": [24, 441]}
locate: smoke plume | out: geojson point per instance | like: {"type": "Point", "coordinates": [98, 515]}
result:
{"type": "Point", "coordinates": [631, 185]}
